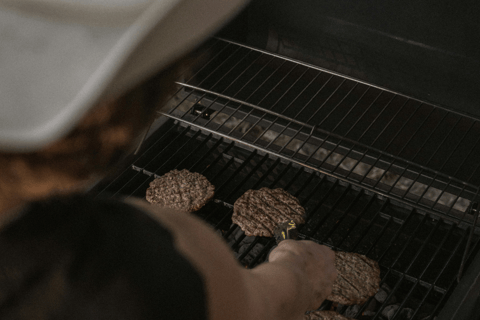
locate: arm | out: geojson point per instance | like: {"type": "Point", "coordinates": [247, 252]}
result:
{"type": "Point", "coordinates": [298, 277]}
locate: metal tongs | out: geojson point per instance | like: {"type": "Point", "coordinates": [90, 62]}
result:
{"type": "Point", "coordinates": [284, 231]}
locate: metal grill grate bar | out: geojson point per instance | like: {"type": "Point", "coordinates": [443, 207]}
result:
{"type": "Point", "coordinates": [454, 218]}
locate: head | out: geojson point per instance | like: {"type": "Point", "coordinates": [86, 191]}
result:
{"type": "Point", "coordinates": [105, 136]}
{"type": "Point", "coordinates": [60, 57]}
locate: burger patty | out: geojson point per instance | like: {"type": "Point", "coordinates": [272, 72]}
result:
{"type": "Point", "coordinates": [258, 212]}
{"type": "Point", "coordinates": [358, 278]}
{"type": "Point", "coordinates": [181, 190]}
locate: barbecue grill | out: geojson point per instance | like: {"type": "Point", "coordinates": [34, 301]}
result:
{"type": "Point", "coordinates": [379, 173]}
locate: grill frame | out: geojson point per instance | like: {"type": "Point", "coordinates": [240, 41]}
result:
{"type": "Point", "coordinates": [211, 155]}
{"type": "Point", "coordinates": [186, 140]}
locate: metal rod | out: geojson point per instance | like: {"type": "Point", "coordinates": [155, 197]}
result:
{"type": "Point", "coordinates": [313, 129]}
{"type": "Point", "coordinates": [423, 272]}
{"type": "Point", "coordinates": [472, 149]}
{"type": "Point", "coordinates": [231, 99]}
{"type": "Point", "coordinates": [330, 133]}
{"type": "Point", "coordinates": [314, 168]}
{"type": "Point", "coordinates": [457, 144]}
{"type": "Point", "coordinates": [241, 167]}
{"type": "Point", "coordinates": [332, 208]}
{"type": "Point", "coordinates": [357, 219]}
{"type": "Point", "coordinates": [180, 148]}
{"type": "Point", "coordinates": [410, 239]}
{"type": "Point", "coordinates": [210, 150]}
{"type": "Point", "coordinates": [219, 80]}
{"type": "Point", "coordinates": [144, 152]}
{"type": "Point", "coordinates": [335, 73]}
{"type": "Point", "coordinates": [121, 188]}
{"type": "Point", "coordinates": [144, 135]}
{"type": "Point", "coordinates": [239, 90]}
{"type": "Point", "coordinates": [424, 142]}
{"type": "Point", "coordinates": [379, 235]}
{"type": "Point", "coordinates": [432, 286]}
{"type": "Point", "coordinates": [318, 205]}
{"type": "Point", "coordinates": [271, 90]}
{"type": "Point", "coordinates": [205, 78]}
{"type": "Point", "coordinates": [243, 181]}
{"type": "Point", "coordinates": [343, 138]}
{"type": "Point", "coordinates": [408, 268]}
{"type": "Point", "coordinates": [346, 134]}
{"type": "Point", "coordinates": [361, 136]}
{"type": "Point", "coordinates": [196, 134]}
{"type": "Point", "coordinates": [472, 208]}
{"type": "Point", "coordinates": [286, 108]}
{"type": "Point", "coordinates": [293, 120]}
{"type": "Point", "coordinates": [370, 224]}
{"type": "Point", "coordinates": [440, 301]}
{"type": "Point", "coordinates": [218, 52]}
{"type": "Point", "coordinates": [223, 61]}
{"type": "Point", "coordinates": [278, 100]}
{"type": "Point", "coordinates": [377, 116]}
{"type": "Point", "coordinates": [393, 139]}
{"type": "Point", "coordinates": [397, 233]}
{"type": "Point", "coordinates": [199, 147]}
{"type": "Point", "coordinates": [340, 219]}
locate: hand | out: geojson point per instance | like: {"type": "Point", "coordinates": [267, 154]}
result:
{"type": "Point", "coordinates": [316, 261]}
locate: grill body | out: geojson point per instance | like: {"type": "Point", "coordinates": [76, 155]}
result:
{"type": "Point", "coordinates": [381, 169]}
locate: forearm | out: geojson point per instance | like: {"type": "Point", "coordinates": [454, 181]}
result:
{"type": "Point", "coordinates": [276, 290]}
{"type": "Point", "coordinates": [283, 290]}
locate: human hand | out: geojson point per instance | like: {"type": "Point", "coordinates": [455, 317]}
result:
{"type": "Point", "coordinates": [316, 262]}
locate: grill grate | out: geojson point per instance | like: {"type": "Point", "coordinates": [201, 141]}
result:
{"type": "Point", "coordinates": [373, 138]}
{"type": "Point", "coordinates": [419, 255]}
{"type": "Point", "coordinates": [378, 173]}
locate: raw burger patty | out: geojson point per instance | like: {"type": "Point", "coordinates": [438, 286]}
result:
{"type": "Point", "coordinates": [358, 278]}
{"type": "Point", "coordinates": [324, 315]}
{"type": "Point", "coordinates": [180, 190]}
{"type": "Point", "coordinates": [258, 212]}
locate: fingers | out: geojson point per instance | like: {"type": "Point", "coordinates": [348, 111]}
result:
{"type": "Point", "coordinates": [316, 261]}
{"type": "Point", "coordinates": [302, 249]}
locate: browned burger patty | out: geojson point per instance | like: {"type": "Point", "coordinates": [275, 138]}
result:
{"type": "Point", "coordinates": [358, 278]}
{"type": "Point", "coordinates": [324, 315]}
{"type": "Point", "coordinates": [181, 190]}
{"type": "Point", "coordinates": [258, 212]}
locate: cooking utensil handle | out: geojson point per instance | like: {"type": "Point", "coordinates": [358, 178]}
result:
{"type": "Point", "coordinates": [284, 231]}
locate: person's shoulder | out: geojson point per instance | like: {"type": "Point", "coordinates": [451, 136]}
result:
{"type": "Point", "coordinates": [76, 218]}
